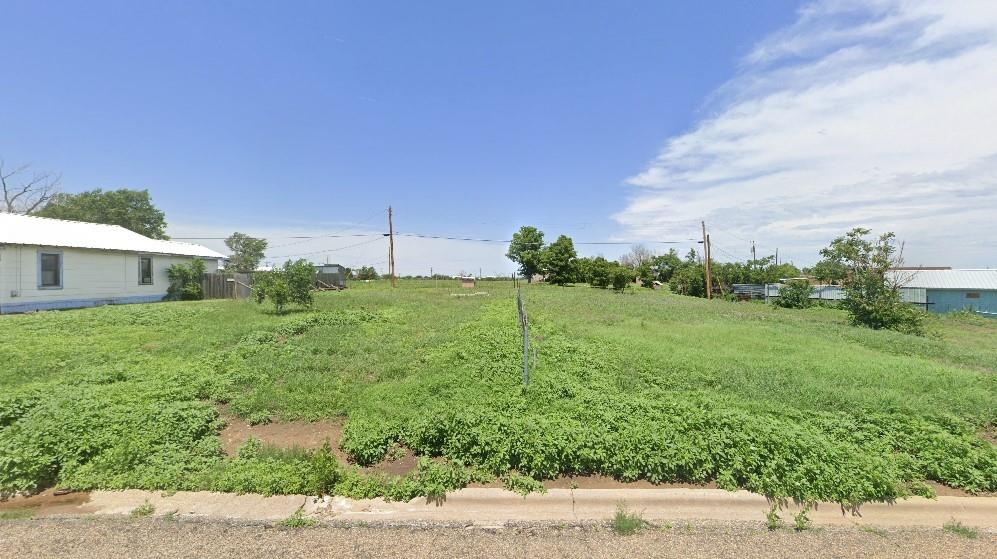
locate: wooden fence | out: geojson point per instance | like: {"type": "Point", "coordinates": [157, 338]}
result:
{"type": "Point", "coordinates": [222, 285]}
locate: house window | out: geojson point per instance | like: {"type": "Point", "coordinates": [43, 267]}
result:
{"type": "Point", "coordinates": [50, 270]}
{"type": "Point", "coordinates": [145, 270]}
{"type": "Point", "coordinates": [973, 295]}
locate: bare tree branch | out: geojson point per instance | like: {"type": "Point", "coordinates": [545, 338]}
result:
{"type": "Point", "coordinates": [23, 195]}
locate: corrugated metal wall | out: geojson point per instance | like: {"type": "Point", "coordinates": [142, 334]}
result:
{"type": "Point", "coordinates": [948, 300]}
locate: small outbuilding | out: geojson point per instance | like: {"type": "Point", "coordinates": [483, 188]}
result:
{"type": "Point", "coordinates": [330, 276]}
{"type": "Point", "coordinates": [59, 264]}
{"type": "Point", "coordinates": [467, 281]}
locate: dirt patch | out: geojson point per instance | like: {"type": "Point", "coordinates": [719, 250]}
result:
{"type": "Point", "coordinates": [989, 434]}
{"type": "Point", "coordinates": [303, 434]}
{"type": "Point", "coordinates": [310, 435]}
{"type": "Point", "coordinates": [946, 491]}
{"type": "Point", "coordinates": [47, 503]}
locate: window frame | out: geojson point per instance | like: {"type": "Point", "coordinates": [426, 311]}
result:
{"type": "Point", "coordinates": [152, 270]}
{"type": "Point", "coordinates": [41, 254]}
{"type": "Point", "coordinates": [972, 294]}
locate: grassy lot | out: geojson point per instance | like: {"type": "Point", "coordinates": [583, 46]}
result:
{"type": "Point", "coordinates": [638, 386]}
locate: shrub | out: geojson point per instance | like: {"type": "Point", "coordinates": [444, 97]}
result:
{"type": "Point", "coordinates": [185, 281]}
{"type": "Point", "coordinates": [290, 284]}
{"type": "Point", "coordinates": [795, 294]}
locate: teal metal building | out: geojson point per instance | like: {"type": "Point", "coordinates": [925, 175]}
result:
{"type": "Point", "coordinates": [954, 290]}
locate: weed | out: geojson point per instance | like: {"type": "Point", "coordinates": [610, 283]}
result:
{"type": "Point", "coordinates": [626, 523]}
{"type": "Point", "coordinates": [772, 519]}
{"type": "Point", "coordinates": [298, 520]}
{"type": "Point", "coordinates": [874, 530]}
{"type": "Point", "coordinates": [143, 510]}
{"type": "Point", "coordinates": [171, 516]}
{"type": "Point", "coordinates": [958, 528]}
{"type": "Point", "coordinates": [801, 521]}
{"type": "Point", "coordinates": [17, 514]}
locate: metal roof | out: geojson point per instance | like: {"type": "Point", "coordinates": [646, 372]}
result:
{"type": "Point", "coordinates": [949, 279]}
{"type": "Point", "coordinates": [42, 231]}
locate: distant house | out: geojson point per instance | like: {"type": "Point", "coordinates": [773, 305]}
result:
{"type": "Point", "coordinates": [467, 281]}
{"type": "Point", "coordinates": [946, 290]}
{"type": "Point", "coordinates": [58, 264]}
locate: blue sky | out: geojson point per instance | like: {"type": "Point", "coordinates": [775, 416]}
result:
{"type": "Point", "coordinates": [601, 120]}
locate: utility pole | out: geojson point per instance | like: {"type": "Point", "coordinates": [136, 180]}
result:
{"type": "Point", "coordinates": [391, 250]}
{"type": "Point", "coordinates": [706, 260]}
{"type": "Point", "coordinates": [753, 257]}
{"type": "Point", "coordinates": [776, 256]}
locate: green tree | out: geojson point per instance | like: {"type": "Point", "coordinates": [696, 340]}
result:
{"type": "Point", "coordinates": [829, 271]}
{"type": "Point", "coordinates": [131, 209]}
{"type": "Point", "coordinates": [366, 273]}
{"type": "Point", "coordinates": [600, 272]}
{"type": "Point", "coordinates": [665, 265]}
{"type": "Point", "coordinates": [559, 261]}
{"type": "Point", "coordinates": [622, 277]}
{"type": "Point", "coordinates": [526, 249]}
{"type": "Point", "coordinates": [246, 251]}
{"type": "Point", "coordinates": [872, 294]}
{"type": "Point", "coordinates": [688, 280]}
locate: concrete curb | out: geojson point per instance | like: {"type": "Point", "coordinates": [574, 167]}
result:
{"type": "Point", "coordinates": [494, 506]}
{"type": "Point", "coordinates": [488, 506]}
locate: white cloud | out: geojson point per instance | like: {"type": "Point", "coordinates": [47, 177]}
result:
{"type": "Point", "coordinates": [881, 114]}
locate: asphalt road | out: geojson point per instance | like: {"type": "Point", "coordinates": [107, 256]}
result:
{"type": "Point", "coordinates": [88, 537]}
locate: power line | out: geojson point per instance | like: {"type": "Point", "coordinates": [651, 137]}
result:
{"type": "Point", "coordinates": [333, 235]}
{"type": "Point", "coordinates": [331, 249]}
{"type": "Point", "coordinates": [443, 237]}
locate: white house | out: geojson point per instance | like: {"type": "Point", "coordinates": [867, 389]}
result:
{"type": "Point", "coordinates": [58, 264]}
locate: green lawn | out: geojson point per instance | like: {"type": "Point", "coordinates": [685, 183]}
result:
{"type": "Point", "coordinates": [644, 385]}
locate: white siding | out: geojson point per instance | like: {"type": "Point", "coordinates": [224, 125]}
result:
{"type": "Point", "coordinates": [87, 274]}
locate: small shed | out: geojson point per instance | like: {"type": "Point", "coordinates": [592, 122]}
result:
{"type": "Point", "coordinates": [467, 281]}
{"type": "Point", "coordinates": [330, 276]}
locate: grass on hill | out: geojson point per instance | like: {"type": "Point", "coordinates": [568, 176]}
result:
{"type": "Point", "coordinates": [644, 385]}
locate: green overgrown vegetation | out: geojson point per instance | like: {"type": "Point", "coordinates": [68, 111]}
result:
{"type": "Point", "coordinates": [651, 386]}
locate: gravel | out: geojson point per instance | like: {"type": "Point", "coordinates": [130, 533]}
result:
{"type": "Point", "coordinates": [157, 537]}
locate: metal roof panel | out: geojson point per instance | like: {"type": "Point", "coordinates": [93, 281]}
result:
{"type": "Point", "coordinates": [42, 231]}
